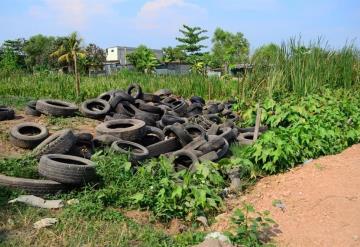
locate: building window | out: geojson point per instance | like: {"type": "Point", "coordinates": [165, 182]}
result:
{"type": "Point", "coordinates": [112, 50]}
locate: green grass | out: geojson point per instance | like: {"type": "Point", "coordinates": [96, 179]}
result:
{"type": "Point", "coordinates": [296, 68]}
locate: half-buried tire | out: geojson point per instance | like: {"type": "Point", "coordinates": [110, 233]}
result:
{"type": "Point", "coordinates": [36, 187]}
{"type": "Point", "coordinates": [67, 169]}
{"type": "Point", "coordinates": [56, 108]}
{"type": "Point", "coordinates": [28, 135]}
{"type": "Point", "coordinates": [95, 108]}
{"type": "Point", "coordinates": [125, 129]}
{"type": "Point", "coordinates": [58, 143]}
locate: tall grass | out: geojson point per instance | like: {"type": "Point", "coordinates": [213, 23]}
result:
{"type": "Point", "coordinates": [294, 68]}
{"type": "Point", "coordinates": [62, 86]}
{"type": "Point", "coordinates": [303, 69]}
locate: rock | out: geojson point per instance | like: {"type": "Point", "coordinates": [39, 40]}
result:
{"type": "Point", "coordinates": [45, 223]}
{"type": "Point", "coordinates": [211, 242]}
{"type": "Point", "coordinates": [203, 220]}
{"type": "Point", "coordinates": [38, 202]}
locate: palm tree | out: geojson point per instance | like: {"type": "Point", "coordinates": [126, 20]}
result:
{"type": "Point", "coordinates": [68, 52]}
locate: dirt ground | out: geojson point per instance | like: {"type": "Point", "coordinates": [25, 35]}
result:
{"type": "Point", "coordinates": [321, 199]}
{"type": "Point", "coordinates": [79, 124]}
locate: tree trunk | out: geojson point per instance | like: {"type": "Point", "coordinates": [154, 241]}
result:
{"type": "Point", "coordinates": [77, 77]}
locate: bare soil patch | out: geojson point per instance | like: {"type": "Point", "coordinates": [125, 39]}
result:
{"type": "Point", "coordinates": [78, 124]}
{"type": "Point", "coordinates": [321, 198]}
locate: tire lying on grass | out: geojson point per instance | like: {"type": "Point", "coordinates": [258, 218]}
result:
{"type": "Point", "coordinates": [28, 135]}
{"type": "Point", "coordinates": [184, 159]}
{"type": "Point", "coordinates": [56, 108]}
{"type": "Point", "coordinates": [30, 109]}
{"type": "Point", "coordinates": [67, 169]}
{"type": "Point", "coordinates": [95, 108]}
{"type": "Point", "coordinates": [58, 143]}
{"type": "Point", "coordinates": [137, 93]}
{"type": "Point", "coordinates": [246, 138]}
{"type": "Point", "coordinates": [125, 129]}
{"type": "Point", "coordinates": [36, 187]}
{"type": "Point", "coordinates": [6, 113]}
{"type": "Point", "coordinates": [136, 151]}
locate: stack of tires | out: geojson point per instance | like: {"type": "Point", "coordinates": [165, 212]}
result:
{"type": "Point", "coordinates": [140, 125]}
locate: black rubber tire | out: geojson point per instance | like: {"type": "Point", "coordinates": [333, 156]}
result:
{"type": "Point", "coordinates": [81, 150]}
{"type": "Point", "coordinates": [180, 107]}
{"type": "Point", "coordinates": [213, 118]}
{"type": "Point", "coordinates": [118, 116]}
{"type": "Point", "coordinates": [221, 152]}
{"type": "Point", "coordinates": [163, 92]}
{"type": "Point", "coordinates": [153, 135]}
{"type": "Point", "coordinates": [252, 129]}
{"type": "Point", "coordinates": [170, 120]}
{"type": "Point", "coordinates": [138, 89]}
{"type": "Point", "coordinates": [195, 130]}
{"type": "Point", "coordinates": [212, 109]}
{"type": "Point", "coordinates": [136, 151]}
{"type": "Point", "coordinates": [184, 159]}
{"type": "Point", "coordinates": [227, 133]}
{"type": "Point", "coordinates": [197, 99]}
{"type": "Point", "coordinates": [125, 108]}
{"type": "Point", "coordinates": [107, 96]}
{"type": "Point", "coordinates": [35, 187]}
{"type": "Point", "coordinates": [233, 117]}
{"type": "Point", "coordinates": [28, 135]}
{"type": "Point", "coordinates": [168, 100]}
{"type": "Point", "coordinates": [56, 108]}
{"type": "Point", "coordinates": [163, 147]}
{"type": "Point", "coordinates": [178, 131]}
{"type": "Point", "coordinates": [194, 109]}
{"type": "Point", "coordinates": [58, 143]}
{"type": "Point", "coordinates": [95, 108]}
{"type": "Point", "coordinates": [246, 138]}
{"type": "Point", "coordinates": [150, 108]}
{"type": "Point", "coordinates": [84, 137]}
{"type": "Point", "coordinates": [148, 97]}
{"type": "Point", "coordinates": [67, 169]}
{"type": "Point", "coordinates": [6, 113]}
{"type": "Point", "coordinates": [30, 109]}
{"type": "Point", "coordinates": [147, 117]}
{"type": "Point", "coordinates": [104, 140]}
{"type": "Point", "coordinates": [125, 129]}
{"type": "Point", "coordinates": [214, 143]}
{"type": "Point", "coordinates": [121, 97]}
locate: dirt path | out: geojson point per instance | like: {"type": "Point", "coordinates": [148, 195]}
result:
{"type": "Point", "coordinates": [322, 200]}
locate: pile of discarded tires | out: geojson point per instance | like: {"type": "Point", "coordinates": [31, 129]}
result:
{"type": "Point", "coordinates": [141, 125]}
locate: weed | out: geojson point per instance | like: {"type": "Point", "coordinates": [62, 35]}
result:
{"type": "Point", "coordinates": [251, 226]}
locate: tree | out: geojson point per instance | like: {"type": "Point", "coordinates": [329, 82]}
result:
{"type": "Point", "coordinates": [191, 40]}
{"type": "Point", "coordinates": [13, 53]}
{"type": "Point", "coordinates": [9, 60]}
{"type": "Point", "coordinates": [143, 59]}
{"type": "Point", "coordinates": [95, 56]}
{"type": "Point", "coordinates": [229, 48]}
{"type": "Point", "coordinates": [266, 54]}
{"type": "Point", "coordinates": [68, 52]}
{"type": "Point", "coordinates": [38, 49]}
{"type": "Point", "coordinates": [173, 54]}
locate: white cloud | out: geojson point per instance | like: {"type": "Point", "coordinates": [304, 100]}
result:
{"type": "Point", "coordinates": [165, 15]}
{"type": "Point", "coordinates": [76, 14]}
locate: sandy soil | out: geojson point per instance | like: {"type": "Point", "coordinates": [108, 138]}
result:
{"type": "Point", "coordinates": [78, 124]}
{"type": "Point", "coordinates": [321, 198]}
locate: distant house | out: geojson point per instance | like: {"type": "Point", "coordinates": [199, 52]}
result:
{"type": "Point", "coordinates": [117, 54]}
{"type": "Point", "coordinates": [116, 58]}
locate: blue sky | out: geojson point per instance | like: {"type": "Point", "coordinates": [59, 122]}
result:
{"type": "Point", "coordinates": [155, 23]}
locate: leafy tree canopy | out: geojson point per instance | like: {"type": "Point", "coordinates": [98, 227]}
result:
{"type": "Point", "coordinates": [143, 59]}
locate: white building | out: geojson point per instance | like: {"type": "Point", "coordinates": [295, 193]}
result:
{"type": "Point", "coordinates": [117, 54]}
